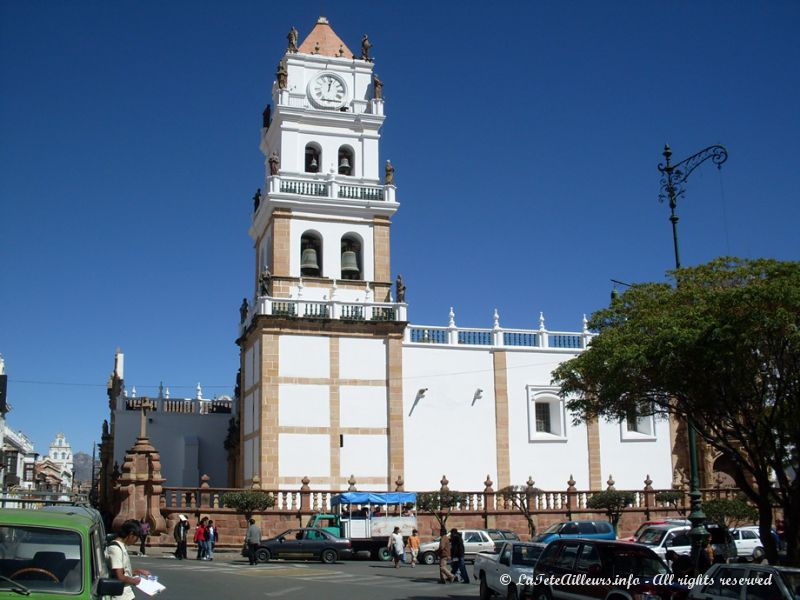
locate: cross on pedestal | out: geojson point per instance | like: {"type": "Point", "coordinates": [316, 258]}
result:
{"type": "Point", "coordinates": [145, 404]}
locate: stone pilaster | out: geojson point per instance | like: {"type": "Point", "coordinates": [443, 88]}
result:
{"type": "Point", "coordinates": [396, 461]}
{"type": "Point", "coordinates": [501, 419]}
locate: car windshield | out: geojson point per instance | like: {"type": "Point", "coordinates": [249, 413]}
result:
{"type": "Point", "coordinates": [510, 535]}
{"type": "Point", "coordinates": [637, 564]}
{"type": "Point", "coordinates": [651, 536]}
{"type": "Point", "coordinates": [40, 559]}
{"type": "Point", "coordinates": [526, 555]}
{"type": "Point", "coordinates": [553, 528]}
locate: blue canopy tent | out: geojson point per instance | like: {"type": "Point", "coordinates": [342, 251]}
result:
{"type": "Point", "coordinates": [374, 498]}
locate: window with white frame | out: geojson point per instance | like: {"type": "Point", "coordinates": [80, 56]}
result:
{"type": "Point", "coordinates": [638, 427]}
{"type": "Point", "coordinates": [546, 415]}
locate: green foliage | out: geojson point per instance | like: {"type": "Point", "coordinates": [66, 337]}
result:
{"type": "Point", "coordinates": [721, 349]}
{"type": "Point", "coordinates": [613, 502]}
{"type": "Point", "coordinates": [247, 501]}
{"type": "Point", "coordinates": [730, 512]}
{"type": "Point", "coordinates": [439, 503]}
{"type": "Point", "coordinates": [672, 498]}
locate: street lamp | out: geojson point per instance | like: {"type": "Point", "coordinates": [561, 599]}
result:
{"type": "Point", "coordinates": [672, 180]}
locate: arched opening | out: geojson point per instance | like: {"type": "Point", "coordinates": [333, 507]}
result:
{"type": "Point", "coordinates": [352, 260]}
{"type": "Point", "coordinates": [313, 158]}
{"type": "Point", "coordinates": [346, 161]}
{"type": "Point", "coordinates": [311, 254]}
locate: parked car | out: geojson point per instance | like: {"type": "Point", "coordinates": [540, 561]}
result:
{"type": "Point", "coordinates": [501, 535]}
{"type": "Point", "coordinates": [475, 540]}
{"type": "Point", "coordinates": [50, 554]}
{"type": "Point", "coordinates": [598, 530]}
{"type": "Point", "coordinates": [660, 538]}
{"type": "Point", "coordinates": [304, 544]}
{"type": "Point", "coordinates": [759, 582]}
{"type": "Point", "coordinates": [512, 562]}
{"type": "Point", "coordinates": [647, 524]}
{"type": "Point", "coordinates": [748, 543]}
{"type": "Point", "coordinates": [617, 570]}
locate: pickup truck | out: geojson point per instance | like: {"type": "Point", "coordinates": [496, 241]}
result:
{"type": "Point", "coordinates": [507, 569]}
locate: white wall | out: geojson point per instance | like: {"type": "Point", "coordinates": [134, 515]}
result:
{"type": "Point", "coordinates": [301, 454]}
{"type": "Point", "coordinates": [304, 356]}
{"type": "Point", "coordinates": [446, 434]}
{"type": "Point", "coordinates": [364, 456]}
{"type": "Point", "coordinates": [362, 358]}
{"type": "Point", "coordinates": [362, 406]}
{"type": "Point", "coordinates": [304, 405]}
{"type": "Point", "coordinates": [549, 463]}
{"type": "Point", "coordinates": [631, 460]}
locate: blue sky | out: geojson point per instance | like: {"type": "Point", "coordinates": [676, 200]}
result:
{"type": "Point", "coordinates": [525, 137]}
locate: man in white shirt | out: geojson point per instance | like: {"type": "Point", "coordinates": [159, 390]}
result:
{"type": "Point", "coordinates": [120, 561]}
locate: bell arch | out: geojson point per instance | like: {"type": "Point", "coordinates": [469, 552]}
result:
{"type": "Point", "coordinates": [311, 254]}
{"type": "Point", "coordinates": [352, 262]}
{"type": "Point", "coordinates": [346, 160]}
{"type": "Point", "coordinates": [313, 158]}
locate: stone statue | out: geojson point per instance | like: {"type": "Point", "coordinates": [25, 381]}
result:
{"type": "Point", "coordinates": [292, 37]}
{"type": "Point", "coordinates": [266, 116]}
{"type": "Point", "coordinates": [265, 282]}
{"type": "Point", "coordinates": [274, 163]}
{"type": "Point", "coordinates": [243, 311]}
{"type": "Point", "coordinates": [256, 200]}
{"type": "Point", "coordinates": [365, 46]}
{"type": "Point", "coordinates": [283, 76]}
{"type": "Point", "coordinates": [377, 86]}
{"type": "Point", "coordinates": [388, 173]}
{"type": "Point", "coordinates": [401, 289]}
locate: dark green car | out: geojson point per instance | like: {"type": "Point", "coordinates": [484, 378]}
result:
{"type": "Point", "coordinates": [52, 555]}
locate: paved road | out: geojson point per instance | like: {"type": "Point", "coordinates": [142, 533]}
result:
{"type": "Point", "coordinates": [231, 577]}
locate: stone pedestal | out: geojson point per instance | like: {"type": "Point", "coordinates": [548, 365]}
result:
{"type": "Point", "coordinates": [139, 487]}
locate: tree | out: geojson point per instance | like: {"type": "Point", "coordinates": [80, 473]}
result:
{"type": "Point", "coordinates": [721, 349]}
{"type": "Point", "coordinates": [612, 502]}
{"type": "Point", "coordinates": [248, 501]}
{"type": "Point", "coordinates": [439, 504]}
{"type": "Point", "coordinates": [673, 498]}
{"type": "Point", "coordinates": [730, 512]}
{"type": "Point", "coordinates": [523, 498]}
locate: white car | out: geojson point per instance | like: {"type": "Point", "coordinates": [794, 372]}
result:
{"type": "Point", "coordinates": [475, 540]}
{"type": "Point", "coordinates": [748, 543]}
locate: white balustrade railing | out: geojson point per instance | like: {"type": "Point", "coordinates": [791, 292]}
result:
{"type": "Point", "coordinates": [326, 309]}
{"type": "Point", "coordinates": [497, 337]}
{"type": "Point", "coordinates": [328, 186]}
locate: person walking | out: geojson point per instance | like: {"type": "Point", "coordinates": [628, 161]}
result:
{"type": "Point", "coordinates": [144, 531]}
{"type": "Point", "coordinates": [181, 535]}
{"type": "Point", "coordinates": [200, 538]}
{"type": "Point", "coordinates": [396, 546]}
{"type": "Point", "coordinates": [457, 552]}
{"type": "Point", "coordinates": [252, 539]}
{"type": "Point", "coordinates": [413, 546]}
{"type": "Point", "coordinates": [120, 561]}
{"type": "Point", "coordinates": [444, 558]}
{"type": "Point", "coordinates": [211, 539]}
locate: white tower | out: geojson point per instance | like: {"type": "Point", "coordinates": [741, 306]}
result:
{"type": "Point", "coordinates": [322, 333]}
{"type": "Point", "coordinates": [61, 455]}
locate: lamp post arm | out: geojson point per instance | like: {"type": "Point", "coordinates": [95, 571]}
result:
{"type": "Point", "coordinates": [674, 176]}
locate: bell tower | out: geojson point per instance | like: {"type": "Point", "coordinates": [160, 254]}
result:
{"type": "Point", "coordinates": [321, 335]}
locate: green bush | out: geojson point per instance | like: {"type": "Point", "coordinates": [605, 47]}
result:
{"type": "Point", "coordinates": [247, 501]}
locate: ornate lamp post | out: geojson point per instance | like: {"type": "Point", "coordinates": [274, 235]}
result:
{"type": "Point", "coordinates": [672, 181]}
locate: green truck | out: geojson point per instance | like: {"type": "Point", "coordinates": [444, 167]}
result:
{"type": "Point", "coordinates": [367, 519]}
{"type": "Point", "coordinates": [54, 554]}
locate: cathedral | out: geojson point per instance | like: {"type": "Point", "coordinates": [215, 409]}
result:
{"type": "Point", "coordinates": [336, 385]}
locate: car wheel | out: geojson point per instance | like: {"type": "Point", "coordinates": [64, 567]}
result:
{"type": "Point", "coordinates": [484, 593]}
{"type": "Point", "coordinates": [262, 555]}
{"type": "Point", "coordinates": [758, 554]}
{"type": "Point", "coordinates": [329, 556]}
{"type": "Point", "coordinates": [512, 593]}
{"type": "Point", "coordinates": [384, 554]}
{"type": "Point", "coordinates": [428, 558]}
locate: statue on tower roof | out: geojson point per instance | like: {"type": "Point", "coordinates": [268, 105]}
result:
{"type": "Point", "coordinates": [365, 46]}
{"type": "Point", "coordinates": [389, 173]}
{"type": "Point", "coordinates": [274, 163]}
{"type": "Point", "coordinates": [256, 200]}
{"type": "Point", "coordinates": [265, 282]}
{"type": "Point", "coordinates": [243, 309]}
{"type": "Point", "coordinates": [292, 37]}
{"type": "Point", "coordinates": [401, 289]}
{"type": "Point", "coordinates": [266, 116]}
{"type": "Point", "coordinates": [283, 76]}
{"type": "Point", "coordinates": [377, 87]}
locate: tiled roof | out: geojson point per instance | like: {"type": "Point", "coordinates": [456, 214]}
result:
{"type": "Point", "coordinates": [323, 40]}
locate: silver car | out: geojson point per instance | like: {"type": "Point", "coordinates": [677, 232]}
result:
{"type": "Point", "coordinates": [475, 540]}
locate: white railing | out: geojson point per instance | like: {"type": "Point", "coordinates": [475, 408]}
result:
{"type": "Point", "coordinates": [326, 309]}
{"type": "Point", "coordinates": [329, 186]}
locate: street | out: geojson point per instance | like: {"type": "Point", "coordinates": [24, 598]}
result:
{"type": "Point", "coordinates": [229, 576]}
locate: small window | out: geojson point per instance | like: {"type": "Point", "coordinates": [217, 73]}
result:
{"type": "Point", "coordinates": [346, 161]}
{"type": "Point", "coordinates": [543, 422]}
{"type": "Point", "coordinates": [567, 557]}
{"type": "Point", "coordinates": [748, 535]}
{"type": "Point", "coordinates": [587, 558]}
{"type": "Point", "coordinates": [546, 415]}
{"type": "Point", "coordinates": [473, 536]}
{"type": "Point", "coordinates": [637, 427]}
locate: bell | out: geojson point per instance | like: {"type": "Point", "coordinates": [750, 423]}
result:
{"type": "Point", "coordinates": [314, 164]}
{"type": "Point", "coordinates": [349, 263]}
{"type": "Point", "coordinates": [344, 164]}
{"type": "Point", "coordinates": [308, 259]}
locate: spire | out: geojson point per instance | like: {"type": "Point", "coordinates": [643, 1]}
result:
{"type": "Point", "coordinates": [323, 40]}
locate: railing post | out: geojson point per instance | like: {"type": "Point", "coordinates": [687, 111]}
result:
{"type": "Point", "coordinates": [452, 330]}
{"type": "Point", "coordinates": [305, 494]}
{"type": "Point", "coordinates": [649, 496]}
{"type": "Point", "coordinates": [543, 335]}
{"type": "Point", "coordinates": [351, 484]}
{"type": "Point", "coordinates": [488, 502]}
{"type": "Point", "coordinates": [497, 333]}
{"type": "Point", "coordinates": [205, 497]}
{"type": "Point", "coordinates": [571, 496]}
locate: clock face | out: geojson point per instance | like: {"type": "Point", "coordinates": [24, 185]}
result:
{"type": "Point", "coordinates": [327, 91]}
